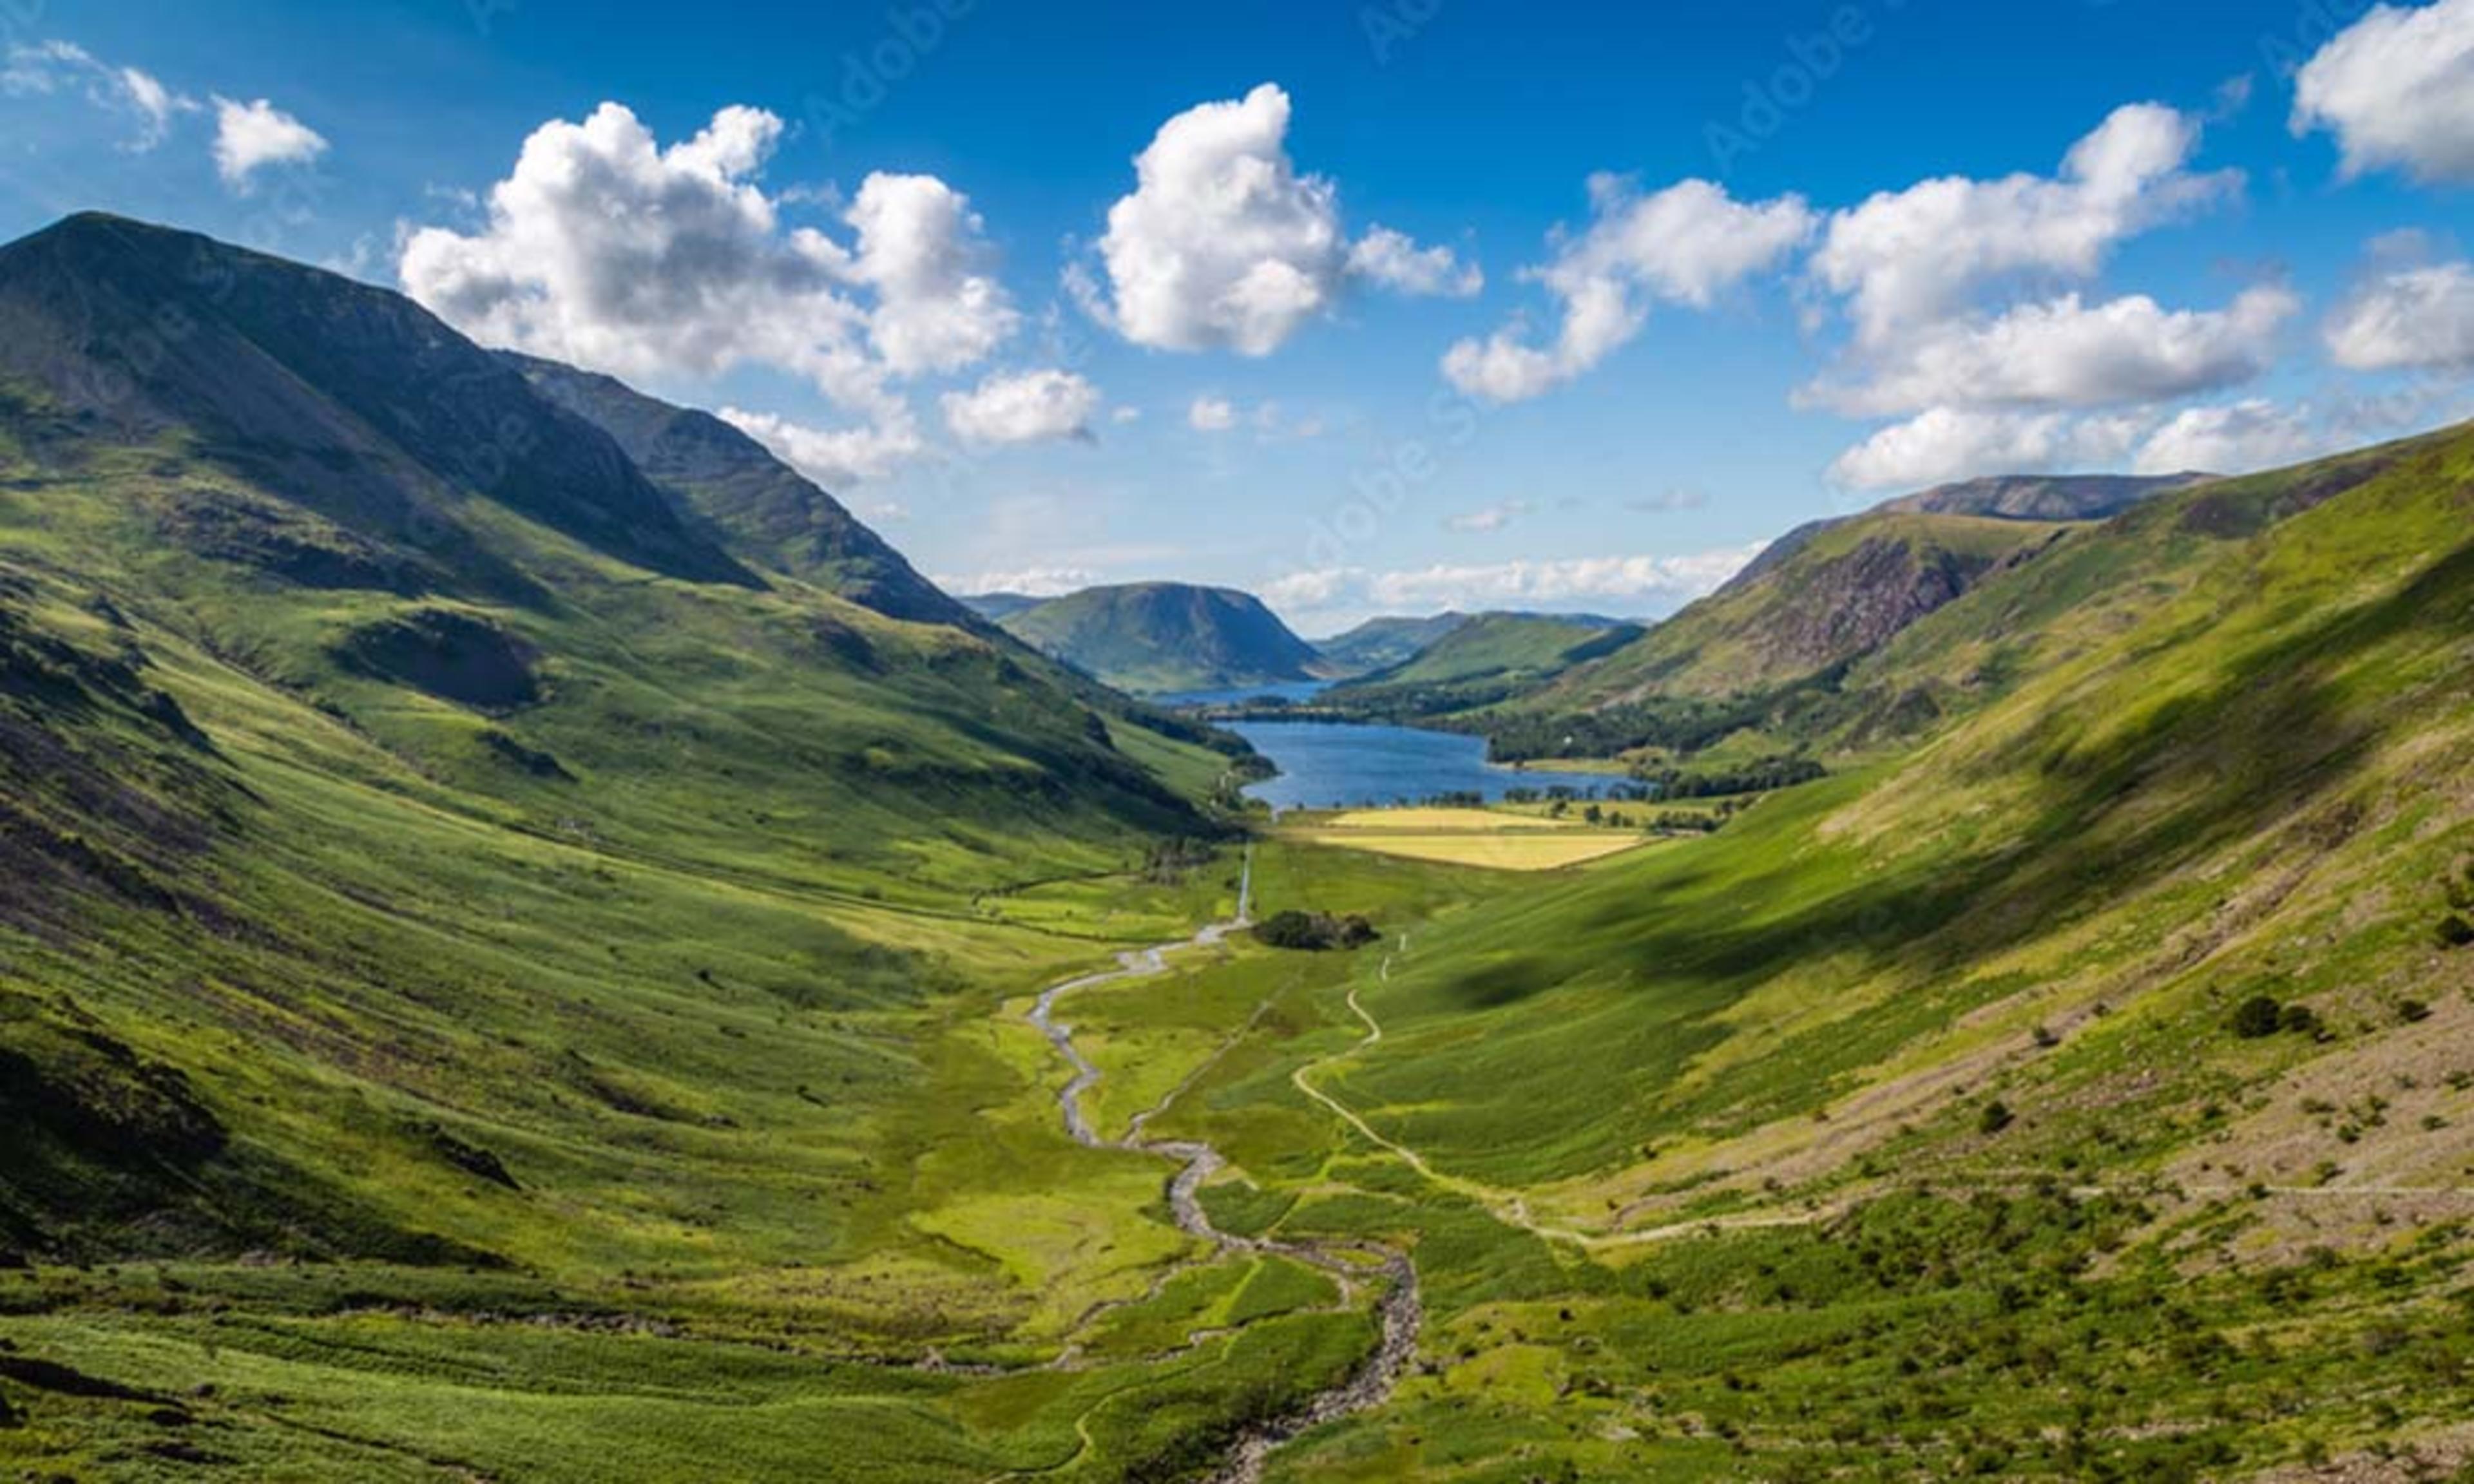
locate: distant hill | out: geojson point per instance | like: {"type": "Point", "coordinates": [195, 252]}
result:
{"type": "Point", "coordinates": [998, 606]}
{"type": "Point", "coordinates": [1840, 592]}
{"type": "Point", "coordinates": [1494, 650]}
{"type": "Point", "coordinates": [1161, 637]}
{"type": "Point", "coordinates": [1380, 643]}
{"type": "Point", "coordinates": [2044, 497]}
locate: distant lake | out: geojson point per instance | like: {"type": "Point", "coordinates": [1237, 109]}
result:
{"type": "Point", "coordinates": [1333, 764]}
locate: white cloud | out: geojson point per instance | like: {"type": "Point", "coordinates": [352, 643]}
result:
{"type": "Point", "coordinates": [1946, 443]}
{"type": "Point", "coordinates": [1031, 407]}
{"type": "Point", "coordinates": [1211, 415]}
{"type": "Point", "coordinates": [49, 67]}
{"type": "Point", "coordinates": [1393, 261]}
{"type": "Point", "coordinates": [1123, 416]}
{"type": "Point", "coordinates": [2238, 438]}
{"type": "Point", "coordinates": [1917, 255]}
{"type": "Point", "coordinates": [2419, 315]}
{"type": "Point", "coordinates": [2397, 90]}
{"type": "Point", "coordinates": [258, 136]}
{"type": "Point", "coordinates": [887, 512]}
{"type": "Point", "coordinates": [1489, 518]}
{"type": "Point", "coordinates": [1224, 244]}
{"type": "Point", "coordinates": [2065, 352]}
{"type": "Point", "coordinates": [1638, 584]}
{"type": "Point", "coordinates": [923, 249]}
{"type": "Point", "coordinates": [606, 249]}
{"type": "Point", "coordinates": [834, 457]}
{"type": "Point", "coordinates": [1686, 244]}
{"type": "Point", "coordinates": [1042, 581]}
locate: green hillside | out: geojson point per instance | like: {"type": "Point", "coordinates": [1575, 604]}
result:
{"type": "Point", "coordinates": [1380, 643]}
{"type": "Point", "coordinates": [1487, 658]}
{"type": "Point", "coordinates": [1157, 638]}
{"type": "Point", "coordinates": [514, 965]}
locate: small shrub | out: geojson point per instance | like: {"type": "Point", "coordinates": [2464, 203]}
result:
{"type": "Point", "coordinates": [2454, 931]}
{"type": "Point", "coordinates": [2258, 1016]}
{"type": "Point", "coordinates": [2299, 1019]}
{"type": "Point", "coordinates": [1996, 1117]}
{"type": "Point", "coordinates": [2412, 1012]}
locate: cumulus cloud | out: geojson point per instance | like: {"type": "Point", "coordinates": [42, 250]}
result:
{"type": "Point", "coordinates": [2239, 439]}
{"type": "Point", "coordinates": [255, 136]}
{"type": "Point", "coordinates": [1916, 255]}
{"type": "Point", "coordinates": [1211, 415]}
{"type": "Point", "coordinates": [1686, 244]}
{"type": "Point", "coordinates": [605, 248]}
{"type": "Point", "coordinates": [1396, 262]}
{"type": "Point", "coordinates": [1039, 581]}
{"type": "Point", "coordinates": [1029, 408]}
{"type": "Point", "coordinates": [1629, 584]}
{"type": "Point", "coordinates": [2065, 352]}
{"type": "Point", "coordinates": [924, 251]}
{"type": "Point", "coordinates": [2408, 317]}
{"type": "Point", "coordinates": [1225, 245]}
{"type": "Point", "coordinates": [834, 457]}
{"type": "Point", "coordinates": [2397, 90]}
{"type": "Point", "coordinates": [1946, 443]}
{"type": "Point", "coordinates": [48, 68]}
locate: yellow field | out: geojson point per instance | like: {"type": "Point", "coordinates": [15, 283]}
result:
{"type": "Point", "coordinates": [1470, 837]}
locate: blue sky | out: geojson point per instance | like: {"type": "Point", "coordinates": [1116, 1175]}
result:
{"type": "Point", "coordinates": [893, 254]}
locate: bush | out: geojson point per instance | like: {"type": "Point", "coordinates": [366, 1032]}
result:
{"type": "Point", "coordinates": [2258, 1016]}
{"type": "Point", "coordinates": [1996, 1117]}
{"type": "Point", "coordinates": [2454, 932]}
{"type": "Point", "coordinates": [1314, 932]}
{"type": "Point", "coordinates": [2299, 1019]}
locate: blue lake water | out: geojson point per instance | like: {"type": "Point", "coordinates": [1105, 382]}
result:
{"type": "Point", "coordinates": [1335, 765]}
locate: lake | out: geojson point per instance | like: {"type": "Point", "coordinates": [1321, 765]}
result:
{"type": "Point", "coordinates": [1336, 765]}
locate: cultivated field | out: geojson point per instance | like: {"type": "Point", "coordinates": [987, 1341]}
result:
{"type": "Point", "coordinates": [1469, 837]}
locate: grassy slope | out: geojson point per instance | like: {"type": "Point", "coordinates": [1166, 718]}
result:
{"type": "Point", "coordinates": [1749, 1076]}
{"type": "Point", "coordinates": [1805, 613]}
{"type": "Point", "coordinates": [1513, 647]}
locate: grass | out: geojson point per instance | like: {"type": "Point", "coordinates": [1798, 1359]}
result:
{"type": "Point", "coordinates": [1494, 839]}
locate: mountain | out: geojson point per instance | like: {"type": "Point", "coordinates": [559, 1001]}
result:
{"type": "Point", "coordinates": [1840, 592]}
{"type": "Point", "coordinates": [2045, 498]}
{"type": "Point", "coordinates": [998, 606]}
{"type": "Point", "coordinates": [1380, 643]}
{"type": "Point", "coordinates": [1163, 637]}
{"type": "Point", "coordinates": [369, 708]}
{"type": "Point", "coordinates": [1487, 656]}
{"type": "Point", "coordinates": [745, 497]}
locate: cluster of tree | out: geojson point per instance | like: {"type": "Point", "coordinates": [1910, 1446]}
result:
{"type": "Point", "coordinates": [1760, 777]}
{"type": "Point", "coordinates": [1167, 862]}
{"type": "Point", "coordinates": [2261, 1016]}
{"type": "Point", "coordinates": [1316, 932]}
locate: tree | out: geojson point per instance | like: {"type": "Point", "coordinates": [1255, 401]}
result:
{"type": "Point", "coordinates": [2257, 1017]}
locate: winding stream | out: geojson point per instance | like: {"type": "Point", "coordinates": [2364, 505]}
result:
{"type": "Point", "coordinates": [1399, 1311]}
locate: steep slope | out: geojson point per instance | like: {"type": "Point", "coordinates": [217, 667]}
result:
{"type": "Point", "coordinates": [340, 758]}
{"type": "Point", "coordinates": [1380, 643]}
{"type": "Point", "coordinates": [2060, 1097]}
{"type": "Point", "coordinates": [2048, 497]}
{"type": "Point", "coordinates": [1844, 590]}
{"type": "Point", "coordinates": [751, 501]}
{"type": "Point", "coordinates": [1160, 637]}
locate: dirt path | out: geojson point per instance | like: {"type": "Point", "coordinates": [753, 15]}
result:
{"type": "Point", "coordinates": [1400, 1312]}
